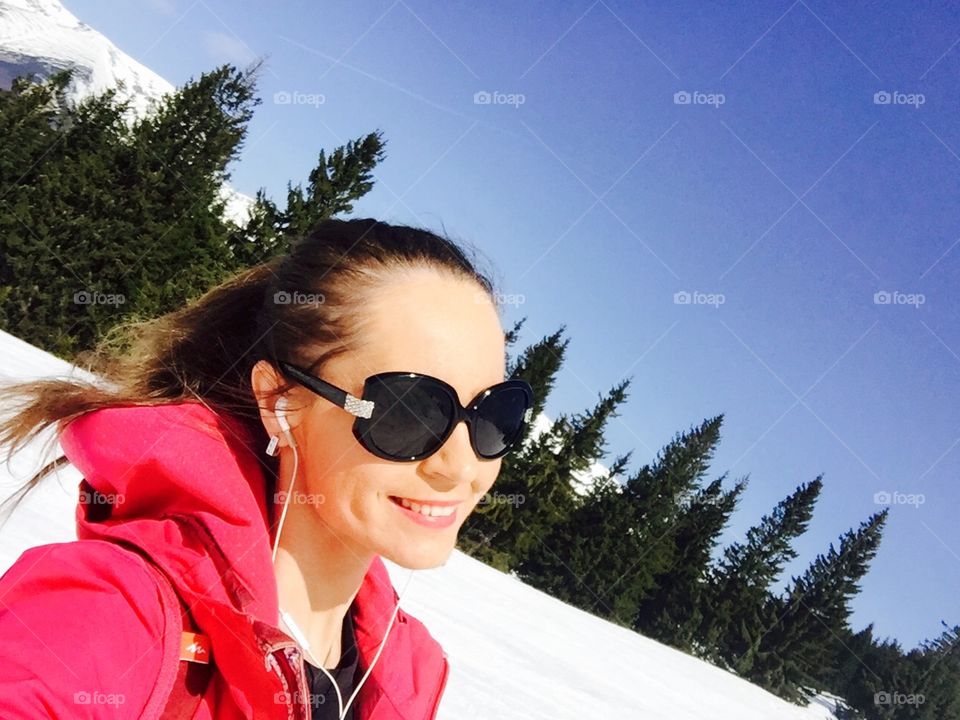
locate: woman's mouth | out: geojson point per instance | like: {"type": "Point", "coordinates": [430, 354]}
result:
{"type": "Point", "coordinates": [433, 514]}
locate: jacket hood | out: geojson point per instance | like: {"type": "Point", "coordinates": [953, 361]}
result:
{"type": "Point", "coordinates": [185, 486]}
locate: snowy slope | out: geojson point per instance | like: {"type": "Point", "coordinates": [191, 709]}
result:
{"type": "Point", "coordinates": [42, 37]}
{"type": "Point", "coordinates": [515, 652]}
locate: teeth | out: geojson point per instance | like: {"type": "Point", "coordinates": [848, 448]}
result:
{"type": "Point", "coordinates": [428, 510]}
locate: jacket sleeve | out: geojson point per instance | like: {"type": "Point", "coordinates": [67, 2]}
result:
{"type": "Point", "coordinates": [81, 625]}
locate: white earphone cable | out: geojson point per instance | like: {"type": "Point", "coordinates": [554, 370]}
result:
{"type": "Point", "coordinates": [285, 616]}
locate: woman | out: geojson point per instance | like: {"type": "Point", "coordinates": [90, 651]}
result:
{"type": "Point", "coordinates": [253, 458]}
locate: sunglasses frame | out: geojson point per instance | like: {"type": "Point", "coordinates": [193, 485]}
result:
{"type": "Point", "coordinates": [363, 409]}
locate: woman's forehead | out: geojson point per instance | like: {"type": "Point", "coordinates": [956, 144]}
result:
{"type": "Point", "coordinates": [433, 317]}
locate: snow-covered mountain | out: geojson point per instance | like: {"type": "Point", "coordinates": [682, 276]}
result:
{"type": "Point", "coordinates": [515, 652]}
{"type": "Point", "coordinates": [41, 37]}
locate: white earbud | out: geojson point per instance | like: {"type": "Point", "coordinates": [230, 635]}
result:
{"type": "Point", "coordinates": [280, 409]}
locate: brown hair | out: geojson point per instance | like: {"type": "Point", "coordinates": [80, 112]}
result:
{"type": "Point", "coordinates": [206, 350]}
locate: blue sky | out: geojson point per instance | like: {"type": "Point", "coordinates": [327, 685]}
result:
{"type": "Point", "coordinates": [750, 209]}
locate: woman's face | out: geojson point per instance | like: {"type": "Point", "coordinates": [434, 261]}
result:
{"type": "Point", "coordinates": [426, 323]}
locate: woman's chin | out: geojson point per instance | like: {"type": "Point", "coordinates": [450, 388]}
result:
{"type": "Point", "coordinates": [424, 556]}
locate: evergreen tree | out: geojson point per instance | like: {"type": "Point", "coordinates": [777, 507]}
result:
{"type": "Point", "coordinates": [334, 184]}
{"type": "Point", "coordinates": [569, 449]}
{"type": "Point", "coordinates": [674, 611]}
{"type": "Point", "coordinates": [110, 219]}
{"type": "Point", "coordinates": [739, 586]}
{"type": "Point", "coordinates": [581, 553]}
{"type": "Point", "coordinates": [607, 555]}
{"type": "Point", "coordinates": [881, 682]}
{"type": "Point", "coordinates": [801, 629]}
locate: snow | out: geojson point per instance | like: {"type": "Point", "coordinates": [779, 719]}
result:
{"type": "Point", "coordinates": [515, 652]}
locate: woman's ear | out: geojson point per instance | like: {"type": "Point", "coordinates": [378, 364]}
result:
{"type": "Point", "coordinates": [265, 381]}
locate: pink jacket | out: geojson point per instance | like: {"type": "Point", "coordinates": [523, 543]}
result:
{"type": "Point", "coordinates": [89, 630]}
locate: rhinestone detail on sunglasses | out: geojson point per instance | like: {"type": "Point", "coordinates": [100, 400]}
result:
{"type": "Point", "coordinates": [358, 407]}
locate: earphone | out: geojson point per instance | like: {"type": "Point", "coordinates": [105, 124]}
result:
{"type": "Point", "coordinates": [280, 411]}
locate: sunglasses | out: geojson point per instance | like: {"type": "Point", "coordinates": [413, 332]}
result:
{"type": "Point", "coordinates": [406, 416]}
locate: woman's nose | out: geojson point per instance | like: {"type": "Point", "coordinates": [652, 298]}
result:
{"type": "Point", "coordinates": [455, 460]}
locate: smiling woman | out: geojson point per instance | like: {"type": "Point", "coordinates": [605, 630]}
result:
{"type": "Point", "coordinates": [257, 454]}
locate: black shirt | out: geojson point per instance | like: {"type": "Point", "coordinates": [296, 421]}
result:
{"type": "Point", "coordinates": [323, 698]}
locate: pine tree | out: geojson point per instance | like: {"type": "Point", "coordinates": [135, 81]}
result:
{"type": "Point", "coordinates": [550, 493]}
{"type": "Point", "coordinates": [800, 630]}
{"type": "Point", "coordinates": [674, 611]}
{"type": "Point", "coordinates": [594, 543]}
{"type": "Point", "coordinates": [739, 586]}
{"type": "Point", "coordinates": [606, 556]}
{"type": "Point", "coordinates": [335, 183]}
{"type": "Point", "coordinates": [937, 666]}
{"type": "Point", "coordinates": [109, 219]}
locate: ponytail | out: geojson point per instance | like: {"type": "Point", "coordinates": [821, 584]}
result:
{"type": "Point", "coordinates": [204, 352]}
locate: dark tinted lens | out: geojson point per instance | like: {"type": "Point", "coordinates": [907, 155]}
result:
{"type": "Point", "coordinates": [410, 415]}
{"type": "Point", "coordinates": [499, 420]}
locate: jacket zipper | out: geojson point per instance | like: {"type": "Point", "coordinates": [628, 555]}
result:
{"type": "Point", "coordinates": [280, 653]}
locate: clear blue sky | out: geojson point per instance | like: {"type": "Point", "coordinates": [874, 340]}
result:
{"type": "Point", "coordinates": [786, 188]}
